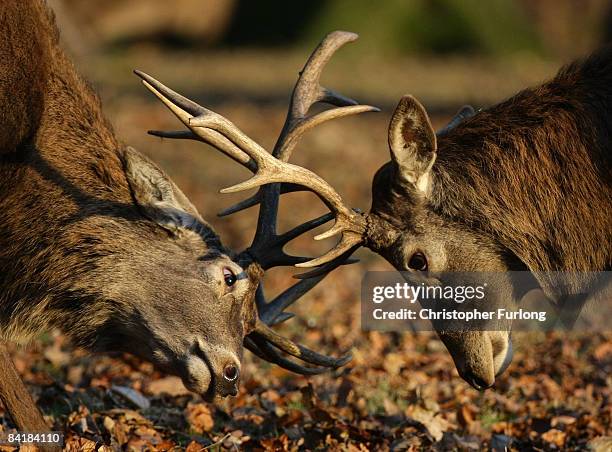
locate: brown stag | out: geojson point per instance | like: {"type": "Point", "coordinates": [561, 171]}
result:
{"type": "Point", "coordinates": [525, 185]}
{"type": "Point", "coordinates": [97, 241]}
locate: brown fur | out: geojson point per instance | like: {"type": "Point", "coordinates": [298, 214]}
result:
{"type": "Point", "coordinates": [535, 171]}
{"type": "Point", "coordinates": [523, 185]}
{"type": "Point", "coordinates": [95, 239]}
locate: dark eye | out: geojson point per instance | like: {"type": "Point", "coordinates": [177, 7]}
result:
{"type": "Point", "coordinates": [229, 276]}
{"type": "Point", "coordinates": [418, 261]}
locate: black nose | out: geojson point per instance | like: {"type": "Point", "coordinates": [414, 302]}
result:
{"type": "Point", "coordinates": [227, 384]}
{"type": "Point", "coordinates": [476, 382]}
{"type": "Point", "coordinates": [231, 373]}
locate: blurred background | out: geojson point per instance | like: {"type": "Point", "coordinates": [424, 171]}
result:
{"type": "Point", "coordinates": [443, 50]}
{"type": "Point", "coordinates": [241, 59]}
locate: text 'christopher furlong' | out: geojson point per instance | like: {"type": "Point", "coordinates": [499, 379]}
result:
{"type": "Point", "coordinates": [450, 314]}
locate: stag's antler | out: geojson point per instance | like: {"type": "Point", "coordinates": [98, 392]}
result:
{"type": "Point", "coordinates": [275, 175]}
{"type": "Point", "coordinates": [206, 125]}
{"type": "Point", "coordinates": [465, 112]}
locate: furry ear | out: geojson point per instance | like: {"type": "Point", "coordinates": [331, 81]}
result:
{"type": "Point", "coordinates": [412, 141]}
{"type": "Point", "coordinates": [158, 197]}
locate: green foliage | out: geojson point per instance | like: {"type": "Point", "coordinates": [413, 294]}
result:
{"type": "Point", "coordinates": [489, 415]}
{"type": "Point", "coordinates": [431, 26]}
{"type": "Point", "coordinates": [378, 394]}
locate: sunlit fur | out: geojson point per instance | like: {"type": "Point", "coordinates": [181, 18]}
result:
{"type": "Point", "coordinates": [522, 185]}
{"type": "Point", "coordinates": [94, 238]}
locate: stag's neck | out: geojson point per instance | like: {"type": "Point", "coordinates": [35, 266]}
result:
{"type": "Point", "coordinates": [59, 163]}
{"type": "Point", "coordinates": [74, 134]}
{"type": "Point", "coordinates": [535, 171]}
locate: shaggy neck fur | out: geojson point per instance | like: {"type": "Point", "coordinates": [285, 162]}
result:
{"type": "Point", "coordinates": [535, 171]}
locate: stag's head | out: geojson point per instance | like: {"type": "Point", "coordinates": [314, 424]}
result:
{"type": "Point", "coordinates": [179, 298]}
{"type": "Point", "coordinates": [416, 236]}
{"type": "Point", "coordinates": [407, 225]}
{"type": "Point", "coordinates": [217, 301]}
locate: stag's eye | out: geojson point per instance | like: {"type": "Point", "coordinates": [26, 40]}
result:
{"type": "Point", "coordinates": [418, 261]}
{"type": "Point", "coordinates": [229, 276]}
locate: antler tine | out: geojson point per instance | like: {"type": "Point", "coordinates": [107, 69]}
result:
{"type": "Point", "coordinates": [309, 91]}
{"type": "Point", "coordinates": [294, 349]}
{"type": "Point", "coordinates": [175, 134]}
{"type": "Point", "coordinates": [277, 306]}
{"type": "Point", "coordinates": [301, 127]}
{"type": "Point", "coordinates": [268, 246]}
{"type": "Point", "coordinates": [186, 110]}
{"type": "Point", "coordinates": [265, 351]}
{"type": "Point", "coordinates": [465, 112]}
{"type": "Point", "coordinates": [342, 259]}
{"type": "Point", "coordinates": [260, 340]}
{"type": "Point", "coordinates": [270, 252]}
{"type": "Point", "coordinates": [189, 135]}
{"type": "Point", "coordinates": [285, 187]}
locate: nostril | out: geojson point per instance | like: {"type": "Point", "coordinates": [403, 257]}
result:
{"type": "Point", "coordinates": [478, 383]}
{"type": "Point", "coordinates": [230, 373]}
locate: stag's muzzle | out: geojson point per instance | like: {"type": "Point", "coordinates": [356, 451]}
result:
{"type": "Point", "coordinates": [480, 356]}
{"type": "Point", "coordinates": [214, 373]}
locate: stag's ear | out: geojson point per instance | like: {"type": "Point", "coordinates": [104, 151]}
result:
{"type": "Point", "coordinates": [412, 141]}
{"type": "Point", "coordinates": [157, 196]}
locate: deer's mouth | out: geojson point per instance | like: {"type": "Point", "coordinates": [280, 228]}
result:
{"type": "Point", "coordinates": [197, 376]}
{"type": "Point", "coordinates": [478, 382]}
{"type": "Point", "coordinates": [212, 371]}
{"type": "Point", "coordinates": [507, 358]}
{"type": "Point", "coordinates": [479, 356]}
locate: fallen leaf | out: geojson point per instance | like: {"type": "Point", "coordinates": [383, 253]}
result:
{"type": "Point", "coordinates": [109, 424]}
{"type": "Point", "coordinates": [465, 416]}
{"type": "Point", "coordinates": [601, 444]}
{"type": "Point", "coordinates": [57, 356]}
{"type": "Point", "coordinates": [602, 351]}
{"type": "Point", "coordinates": [199, 417]}
{"type": "Point", "coordinates": [435, 424]}
{"type": "Point", "coordinates": [132, 396]}
{"type": "Point", "coordinates": [393, 363]}
{"type": "Point", "coordinates": [554, 436]}
{"type": "Point", "coordinates": [172, 386]}
{"type": "Point", "coordinates": [562, 420]}
{"type": "Point", "coordinates": [194, 446]}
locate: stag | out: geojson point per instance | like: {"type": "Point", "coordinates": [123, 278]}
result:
{"type": "Point", "coordinates": [524, 185]}
{"type": "Point", "coordinates": [99, 242]}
